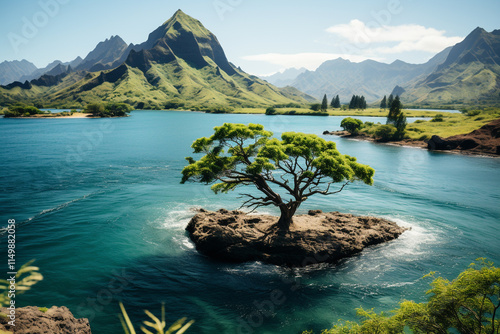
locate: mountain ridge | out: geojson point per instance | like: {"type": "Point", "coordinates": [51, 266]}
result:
{"type": "Point", "coordinates": [181, 64]}
{"type": "Point", "coordinates": [369, 78]}
{"type": "Point", "coordinates": [470, 74]}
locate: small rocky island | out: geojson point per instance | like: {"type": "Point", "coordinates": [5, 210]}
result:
{"type": "Point", "coordinates": [316, 237]}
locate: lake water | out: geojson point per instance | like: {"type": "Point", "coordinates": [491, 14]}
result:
{"type": "Point", "coordinates": [99, 206]}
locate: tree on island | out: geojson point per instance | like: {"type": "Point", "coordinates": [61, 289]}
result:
{"type": "Point", "coordinates": [383, 104]}
{"type": "Point", "coordinates": [351, 125]}
{"type": "Point", "coordinates": [324, 104]}
{"type": "Point", "coordinates": [300, 165]}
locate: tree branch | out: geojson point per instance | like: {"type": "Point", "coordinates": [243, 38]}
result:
{"type": "Point", "coordinates": [326, 191]}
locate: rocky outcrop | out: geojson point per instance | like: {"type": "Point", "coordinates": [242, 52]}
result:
{"type": "Point", "coordinates": [31, 320]}
{"type": "Point", "coordinates": [485, 140]}
{"type": "Point", "coordinates": [313, 238]}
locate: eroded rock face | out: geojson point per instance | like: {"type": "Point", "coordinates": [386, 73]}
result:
{"type": "Point", "coordinates": [56, 320]}
{"type": "Point", "coordinates": [313, 238]}
{"type": "Point", "coordinates": [484, 140]}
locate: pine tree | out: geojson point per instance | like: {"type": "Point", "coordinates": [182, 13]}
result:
{"type": "Point", "coordinates": [362, 103]}
{"type": "Point", "coordinates": [324, 104]}
{"type": "Point", "coordinates": [383, 104]}
{"type": "Point", "coordinates": [390, 100]}
{"type": "Point", "coordinates": [394, 110]}
{"type": "Point", "coordinates": [332, 104]}
{"type": "Point", "coordinates": [352, 104]}
{"type": "Point", "coordinates": [400, 124]}
{"type": "Point", "coordinates": [337, 102]}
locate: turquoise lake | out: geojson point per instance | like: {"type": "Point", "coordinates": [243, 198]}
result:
{"type": "Point", "coordinates": [99, 205]}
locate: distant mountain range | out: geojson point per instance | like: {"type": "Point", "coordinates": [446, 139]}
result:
{"type": "Point", "coordinates": [369, 78]}
{"type": "Point", "coordinates": [470, 74]}
{"type": "Point", "coordinates": [181, 64]}
{"type": "Point", "coordinates": [285, 78]}
{"type": "Point", "coordinates": [467, 73]}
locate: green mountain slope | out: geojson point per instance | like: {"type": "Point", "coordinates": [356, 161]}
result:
{"type": "Point", "coordinates": [181, 64]}
{"type": "Point", "coordinates": [470, 74]}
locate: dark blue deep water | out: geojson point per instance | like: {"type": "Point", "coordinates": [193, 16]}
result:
{"type": "Point", "coordinates": [99, 206]}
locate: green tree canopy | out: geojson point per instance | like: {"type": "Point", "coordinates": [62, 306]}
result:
{"type": "Point", "coordinates": [383, 104]}
{"type": "Point", "coordinates": [324, 104]}
{"type": "Point", "coordinates": [270, 111]}
{"type": "Point", "coordinates": [112, 109]}
{"type": "Point", "coordinates": [315, 107]}
{"type": "Point", "coordinates": [286, 171]}
{"type": "Point", "coordinates": [397, 118]}
{"type": "Point", "coordinates": [357, 102]}
{"type": "Point", "coordinates": [468, 304]}
{"type": "Point", "coordinates": [352, 125]}
{"type": "Point", "coordinates": [337, 102]}
{"type": "Point", "coordinates": [390, 100]}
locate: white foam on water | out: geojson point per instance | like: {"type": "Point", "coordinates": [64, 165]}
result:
{"type": "Point", "coordinates": [53, 210]}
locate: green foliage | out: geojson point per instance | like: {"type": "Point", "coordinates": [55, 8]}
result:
{"type": "Point", "coordinates": [158, 325]}
{"type": "Point", "coordinates": [315, 107]}
{"type": "Point", "coordinates": [21, 110]}
{"type": "Point", "coordinates": [324, 104]}
{"type": "Point", "coordinates": [437, 118]}
{"type": "Point", "coordinates": [335, 102]}
{"type": "Point", "coordinates": [109, 110]}
{"type": "Point", "coordinates": [238, 154]}
{"type": "Point", "coordinates": [217, 109]}
{"type": "Point", "coordinates": [95, 109]}
{"type": "Point", "coordinates": [357, 102]}
{"type": "Point", "coordinates": [468, 304]}
{"type": "Point", "coordinates": [385, 133]}
{"type": "Point", "coordinates": [400, 124]}
{"type": "Point", "coordinates": [397, 118]}
{"type": "Point", "coordinates": [270, 111]}
{"type": "Point", "coordinates": [390, 100]}
{"type": "Point", "coordinates": [383, 103]}
{"type": "Point", "coordinates": [472, 113]}
{"type": "Point", "coordinates": [26, 277]}
{"type": "Point", "coordinates": [175, 104]}
{"type": "Point", "coordinates": [43, 309]}
{"type": "Point", "coordinates": [352, 125]}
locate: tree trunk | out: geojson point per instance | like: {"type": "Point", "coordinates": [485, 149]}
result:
{"type": "Point", "coordinates": [286, 218]}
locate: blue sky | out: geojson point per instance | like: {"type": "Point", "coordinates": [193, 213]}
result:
{"type": "Point", "coordinates": [261, 36]}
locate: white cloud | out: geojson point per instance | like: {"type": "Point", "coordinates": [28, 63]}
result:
{"type": "Point", "coordinates": [311, 61]}
{"type": "Point", "coordinates": [409, 37]}
{"type": "Point", "coordinates": [359, 41]}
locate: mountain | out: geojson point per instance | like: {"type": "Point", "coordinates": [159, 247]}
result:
{"type": "Point", "coordinates": [108, 54]}
{"type": "Point", "coordinates": [182, 64]}
{"type": "Point", "coordinates": [11, 71]}
{"type": "Point", "coordinates": [470, 74]}
{"type": "Point", "coordinates": [369, 78]}
{"type": "Point", "coordinates": [285, 78]}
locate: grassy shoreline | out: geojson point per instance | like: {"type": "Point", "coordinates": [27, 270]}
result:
{"type": "Point", "coordinates": [371, 112]}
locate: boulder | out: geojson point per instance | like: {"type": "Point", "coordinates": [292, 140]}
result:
{"type": "Point", "coordinates": [31, 320]}
{"type": "Point", "coordinates": [313, 238]}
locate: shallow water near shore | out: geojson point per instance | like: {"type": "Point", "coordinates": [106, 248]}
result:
{"type": "Point", "coordinates": [99, 206]}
